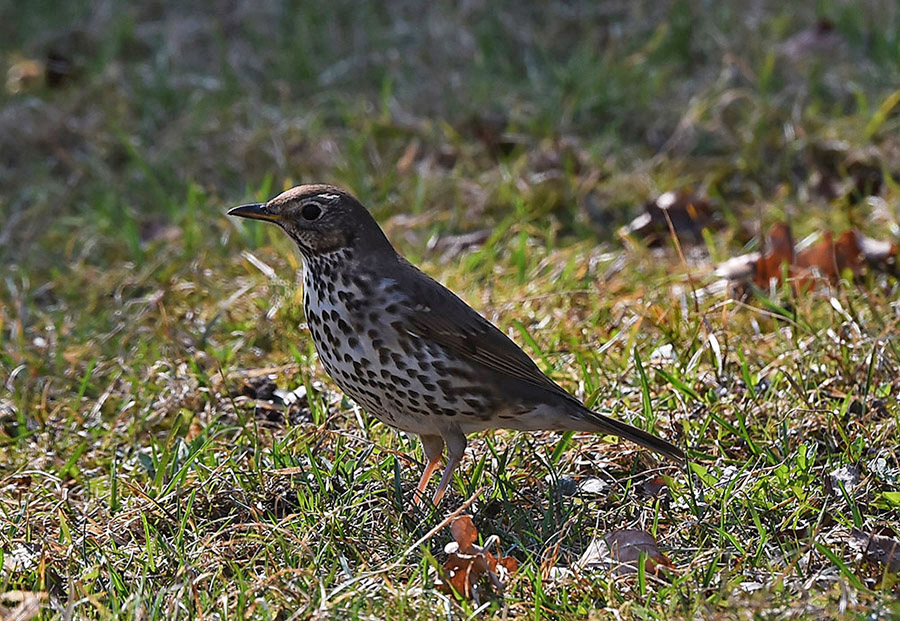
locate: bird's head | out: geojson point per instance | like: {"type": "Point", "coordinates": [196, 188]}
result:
{"type": "Point", "coordinates": [321, 219]}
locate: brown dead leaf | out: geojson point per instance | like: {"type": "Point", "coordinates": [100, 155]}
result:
{"type": "Point", "coordinates": [470, 569]}
{"type": "Point", "coordinates": [781, 251]}
{"type": "Point", "coordinates": [620, 552]}
{"type": "Point", "coordinates": [828, 259]}
{"type": "Point", "coordinates": [689, 216]}
{"type": "Point", "coordinates": [654, 486]}
{"type": "Point", "coordinates": [464, 533]}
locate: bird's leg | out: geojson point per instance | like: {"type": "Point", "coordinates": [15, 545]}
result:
{"type": "Point", "coordinates": [456, 448]}
{"type": "Point", "coordinates": [434, 449]}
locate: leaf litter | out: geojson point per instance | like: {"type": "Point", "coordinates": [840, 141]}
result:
{"type": "Point", "coordinates": [620, 552]}
{"type": "Point", "coordinates": [471, 570]}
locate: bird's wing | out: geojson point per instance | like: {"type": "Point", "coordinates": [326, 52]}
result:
{"type": "Point", "coordinates": [439, 316]}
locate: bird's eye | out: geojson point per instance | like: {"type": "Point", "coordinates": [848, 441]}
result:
{"type": "Point", "coordinates": [311, 211]}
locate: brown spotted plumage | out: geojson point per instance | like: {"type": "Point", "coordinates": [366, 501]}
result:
{"type": "Point", "coordinates": [407, 349]}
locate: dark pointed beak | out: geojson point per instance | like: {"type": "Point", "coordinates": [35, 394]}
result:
{"type": "Point", "coordinates": [254, 211]}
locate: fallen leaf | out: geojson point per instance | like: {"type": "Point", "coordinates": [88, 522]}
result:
{"type": "Point", "coordinates": [878, 549]}
{"type": "Point", "coordinates": [470, 569]}
{"type": "Point", "coordinates": [273, 405]}
{"type": "Point", "coordinates": [464, 533]}
{"type": "Point", "coordinates": [829, 259]}
{"type": "Point", "coordinates": [592, 486]}
{"type": "Point", "coordinates": [781, 251]}
{"type": "Point", "coordinates": [654, 486]}
{"type": "Point", "coordinates": [688, 214]}
{"type": "Point", "coordinates": [620, 552]}
{"type": "Point", "coordinates": [848, 476]}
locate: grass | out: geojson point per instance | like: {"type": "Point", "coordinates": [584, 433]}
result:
{"type": "Point", "coordinates": [139, 480]}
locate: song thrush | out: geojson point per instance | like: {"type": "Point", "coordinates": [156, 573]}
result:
{"type": "Point", "coordinates": [406, 348]}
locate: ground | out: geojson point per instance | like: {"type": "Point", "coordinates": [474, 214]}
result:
{"type": "Point", "coordinates": [170, 446]}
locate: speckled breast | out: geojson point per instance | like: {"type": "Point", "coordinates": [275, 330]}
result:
{"type": "Point", "coordinates": [357, 323]}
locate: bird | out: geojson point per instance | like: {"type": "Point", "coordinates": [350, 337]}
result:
{"type": "Point", "coordinates": [409, 350]}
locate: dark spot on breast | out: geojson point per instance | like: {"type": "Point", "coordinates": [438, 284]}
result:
{"type": "Point", "coordinates": [365, 288]}
{"type": "Point", "coordinates": [384, 355]}
{"type": "Point", "coordinates": [479, 391]}
{"type": "Point", "coordinates": [462, 373]}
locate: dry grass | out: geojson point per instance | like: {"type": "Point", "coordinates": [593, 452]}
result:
{"type": "Point", "coordinates": [143, 473]}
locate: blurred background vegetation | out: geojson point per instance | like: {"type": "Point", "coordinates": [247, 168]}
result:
{"type": "Point", "coordinates": [123, 117]}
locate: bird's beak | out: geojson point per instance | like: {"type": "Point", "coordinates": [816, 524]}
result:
{"type": "Point", "coordinates": [255, 211]}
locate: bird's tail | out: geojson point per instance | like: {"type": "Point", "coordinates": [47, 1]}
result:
{"type": "Point", "coordinates": [629, 432]}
